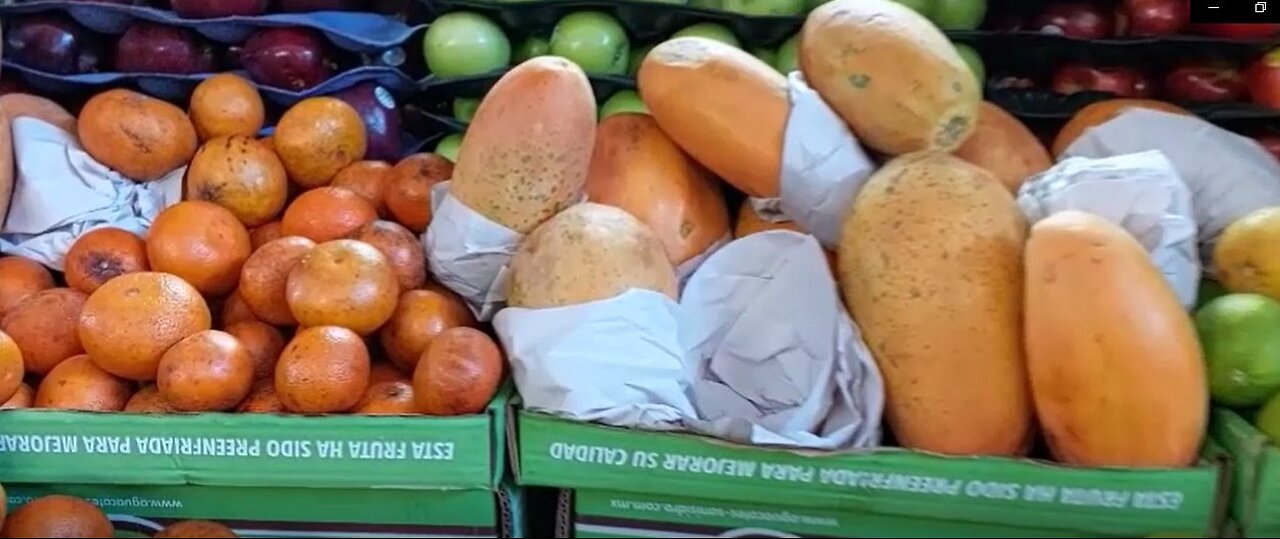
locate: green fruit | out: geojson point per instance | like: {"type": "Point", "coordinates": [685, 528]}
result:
{"type": "Point", "coordinates": [1209, 291]}
{"type": "Point", "coordinates": [707, 4]}
{"type": "Point", "coordinates": [764, 7]}
{"type": "Point", "coordinates": [461, 43]}
{"type": "Point", "coordinates": [623, 101]}
{"type": "Point", "coordinates": [464, 108]}
{"type": "Point", "coordinates": [1268, 419]}
{"type": "Point", "coordinates": [1240, 336]}
{"type": "Point", "coordinates": [958, 14]}
{"type": "Point", "coordinates": [813, 4]}
{"type": "Point", "coordinates": [637, 58]}
{"type": "Point", "coordinates": [974, 60]}
{"type": "Point", "coordinates": [593, 40]}
{"type": "Point", "coordinates": [787, 58]}
{"type": "Point", "coordinates": [765, 55]}
{"type": "Point", "coordinates": [710, 30]}
{"type": "Point", "coordinates": [533, 47]}
{"type": "Point", "coordinates": [448, 147]}
{"type": "Point", "coordinates": [923, 7]}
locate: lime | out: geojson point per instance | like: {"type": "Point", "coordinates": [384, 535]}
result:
{"type": "Point", "coordinates": [1240, 335]}
{"type": "Point", "coordinates": [448, 147]}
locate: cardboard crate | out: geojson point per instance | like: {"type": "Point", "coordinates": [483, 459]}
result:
{"type": "Point", "coordinates": [628, 483]}
{"type": "Point", "coordinates": [277, 475]}
{"type": "Point", "coordinates": [1255, 496]}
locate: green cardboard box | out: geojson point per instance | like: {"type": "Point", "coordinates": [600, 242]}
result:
{"type": "Point", "coordinates": [287, 476]}
{"type": "Point", "coordinates": [1255, 496]}
{"type": "Point", "coordinates": [626, 483]}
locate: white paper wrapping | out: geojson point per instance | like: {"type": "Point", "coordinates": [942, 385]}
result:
{"type": "Point", "coordinates": [61, 193]}
{"type": "Point", "coordinates": [685, 271]}
{"type": "Point", "coordinates": [468, 253]}
{"type": "Point", "coordinates": [616, 361]}
{"type": "Point", "coordinates": [1229, 175]}
{"type": "Point", "coordinates": [823, 167]}
{"type": "Point", "coordinates": [1140, 192]}
{"type": "Point", "coordinates": [777, 360]}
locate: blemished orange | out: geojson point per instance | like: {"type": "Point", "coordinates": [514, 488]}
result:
{"type": "Point", "coordinates": [206, 372]}
{"type": "Point", "coordinates": [226, 104]}
{"type": "Point", "coordinates": [322, 370]}
{"type": "Point", "coordinates": [327, 213]}
{"type": "Point", "coordinates": [201, 242]}
{"type": "Point", "coordinates": [103, 254]}
{"type": "Point", "coordinates": [459, 373]}
{"type": "Point", "coordinates": [262, 399]}
{"type": "Point", "coordinates": [261, 235]}
{"type": "Point", "coordinates": [148, 400]}
{"type": "Point", "coordinates": [23, 398]}
{"type": "Point", "coordinates": [78, 384]}
{"type": "Point", "coordinates": [344, 283]}
{"type": "Point", "coordinates": [58, 516]}
{"type": "Point", "coordinates": [11, 368]}
{"type": "Point", "coordinates": [263, 342]}
{"type": "Point", "coordinates": [265, 274]}
{"type": "Point", "coordinates": [196, 528]}
{"type": "Point", "coordinates": [402, 249]}
{"type": "Point", "coordinates": [129, 323]}
{"type": "Point", "coordinates": [235, 310]}
{"type": "Point", "coordinates": [389, 397]}
{"type": "Point", "coordinates": [368, 179]}
{"type": "Point", "coordinates": [20, 277]}
{"type": "Point", "coordinates": [240, 174]}
{"type": "Point", "coordinates": [45, 327]}
{"type": "Point", "coordinates": [420, 316]}
{"type": "Point", "coordinates": [317, 138]}
{"type": "Point", "coordinates": [409, 190]}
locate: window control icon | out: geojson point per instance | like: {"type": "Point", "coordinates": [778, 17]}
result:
{"type": "Point", "coordinates": [1260, 7]}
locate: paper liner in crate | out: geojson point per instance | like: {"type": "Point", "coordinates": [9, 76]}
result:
{"type": "Point", "coordinates": [1229, 175]}
{"type": "Point", "coordinates": [1140, 192]}
{"type": "Point", "coordinates": [61, 192]}
{"type": "Point", "coordinates": [758, 351]}
{"type": "Point", "coordinates": [468, 253]}
{"type": "Point", "coordinates": [823, 167]}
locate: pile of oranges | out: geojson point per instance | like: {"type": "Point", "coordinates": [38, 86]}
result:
{"type": "Point", "coordinates": [69, 516]}
{"type": "Point", "coordinates": [289, 279]}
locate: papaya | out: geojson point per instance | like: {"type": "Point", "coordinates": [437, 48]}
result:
{"type": "Point", "coordinates": [525, 155]}
{"type": "Point", "coordinates": [930, 264]}
{"type": "Point", "coordinates": [635, 167]}
{"type": "Point", "coordinates": [891, 74]}
{"type": "Point", "coordinates": [1115, 366]}
{"type": "Point", "coordinates": [723, 106]}
{"type": "Point", "coordinates": [1005, 147]}
{"type": "Point", "coordinates": [588, 253]}
{"type": "Point", "coordinates": [1101, 112]}
{"type": "Point", "coordinates": [18, 105]}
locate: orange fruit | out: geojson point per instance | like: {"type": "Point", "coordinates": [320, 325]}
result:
{"type": "Point", "coordinates": [323, 370]}
{"type": "Point", "coordinates": [327, 213]}
{"type": "Point", "coordinates": [225, 105]}
{"type": "Point", "coordinates": [235, 310]}
{"type": "Point", "coordinates": [11, 367]}
{"type": "Point", "coordinates": [196, 528]}
{"type": "Point", "coordinates": [23, 398]}
{"type": "Point", "coordinates": [262, 399]}
{"type": "Point", "coordinates": [343, 283]}
{"type": "Point", "coordinates": [45, 326]}
{"type": "Point", "coordinates": [381, 371]}
{"type": "Point", "coordinates": [206, 372]}
{"type": "Point", "coordinates": [317, 138]}
{"type": "Point", "coordinates": [261, 235]}
{"type": "Point", "coordinates": [402, 249]}
{"type": "Point", "coordinates": [129, 323]}
{"type": "Point", "coordinates": [58, 516]}
{"type": "Point", "coordinates": [409, 192]}
{"type": "Point", "coordinates": [201, 242]}
{"type": "Point", "coordinates": [103, 254]}
{"type": "Point", "coordinates": [265, 274]}
{"type": "Point", "coordinates": [1102, 112]}
{"type": "Point", "coordinates": [263, 342]}
{"type": "Point", "coordinates": [78, 384]}
{"type": "Point", "coordinates": [368, 179]}
{"type": "Point", "coordinates": [420, 316]}
{"type": "Point", "coordinates": [141, 137]}
{"type": "Point", "coordinates": [241, 175]}
{"type": "Point", "coordinates": [459, 373]}
{"type": "Point", "coordinates": [392, 397]}
{"type": "Point", "coordinates": [148, 400]}
{"type": "Point", "coordinates": [20, 277]}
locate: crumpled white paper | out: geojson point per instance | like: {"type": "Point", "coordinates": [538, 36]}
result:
{"type": "Point", "coordinates": [1140, 192]}
{"type": "Point", "coordinates": [685, 271]}
{"type": "Point", "coordinates": [777, 359]}
{"type": "Point", "coordinates": [1229, 175]}
{"type": "Point", "coordinates": [468, 253]}
{"type": "Point", "coordinates": [616, 361]}
{"type": "Point", "coordinates": [61, 193]}
{"type": "Point", "coordinates": [823, 167]}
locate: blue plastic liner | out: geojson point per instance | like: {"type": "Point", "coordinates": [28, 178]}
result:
{"type": "Point", "coordinates": [348, 30]}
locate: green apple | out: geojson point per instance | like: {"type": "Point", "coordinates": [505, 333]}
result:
{"type": "Point", "coordinates": [923, 7]}
{"type": "Point", "coordinates": [623, 101]}
{"type": "Point", "coordinates": [448, 147]}
{"type": "Point", "coordinates": [765, 7]}
{"type": "Point", "coordinates": [958, 14]}
{"type": "Point", "coordinates": [461, 43]}
{"type": "Point", "coordinates": [707, 4]}
{"type": "Point", "coordinates": [787, 57]}
{"type": "Point", "coordinates": [594, 40]}
{"type": "Point", "coordinates": [710, 30]}
{"type": "Point", "coordinates": [637, 58]}
{"type": "Point", "coordinates": [974, 60]}
{"type": "Point", "coordinates": [464, 108]}
{"type": "Point", "coordinates": [765, 55]}
{"type": "Point", "coordinates": [532, 47]}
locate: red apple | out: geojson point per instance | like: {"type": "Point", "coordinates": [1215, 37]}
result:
{"type": "Point", "coordinates": [1270, 143]}
{"type": "Point", "coordinates": [155, 48]}
{"type": "Point", "coordinates": [1238, 31]}
{"type": "Point", "coordinates": [289, 58]}
{"type": "Point", "coordinates": [1150, 18]}
{"type": "Point", "coordinates": [1083, 20]}
{"type": "Point", "coordinates": [1121, 81]}
{"type": "Point", "coordinates": [1204, 82]}
{"type": "Point", "coordinates": [1264, 80]}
